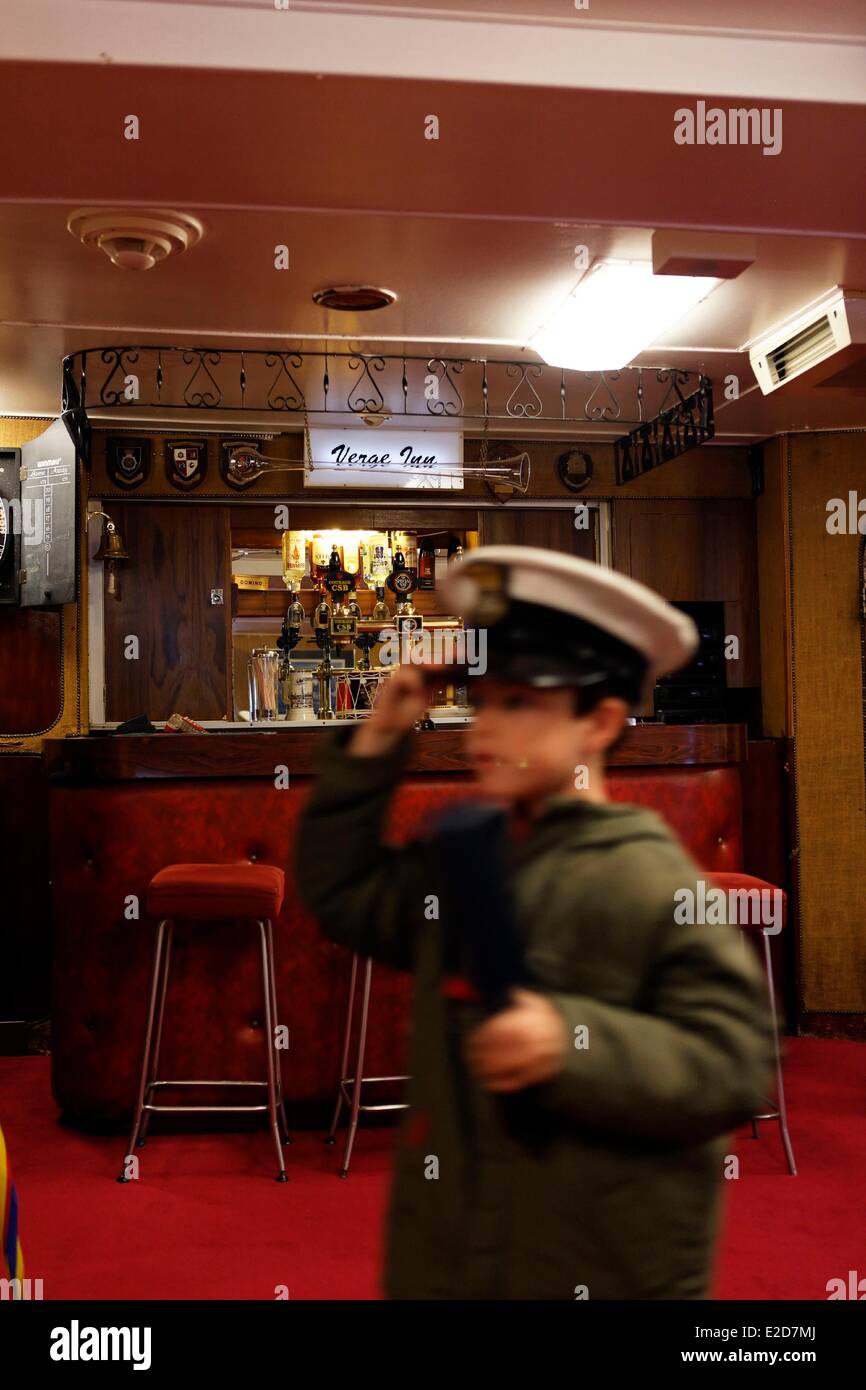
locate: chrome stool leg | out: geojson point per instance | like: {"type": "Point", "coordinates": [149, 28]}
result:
{"type": "Point", "coordinates": [147, 1073]}
{"type": "Point", "coordinates": [358, 1079]}
{"type": "Point", "coordinates": [269, 934]}
{"type": "Point", "coordinates": [782, 1115]}
{"type": "Point", "coordinates": [353, 1097]}
{"type": "Point", "coordinates": [347, 1038]}
{"type": "Point", "coordinates": [270, 1022]}
{"type": "Point", "coordinates": [157, 1042]}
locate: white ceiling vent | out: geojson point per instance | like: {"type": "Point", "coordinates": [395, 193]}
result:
{"type": "Point", "coordinates": [135, 239]}
{"type": "Point", "coordinates": [801, 344]}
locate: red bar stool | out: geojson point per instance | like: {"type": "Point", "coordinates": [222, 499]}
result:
{"type": "Point", "coordinates": [211, 892]}
{"type": "Point", "coordinates": [746, 883]}
{"type": "Point", "coordinates": [350, 1088]}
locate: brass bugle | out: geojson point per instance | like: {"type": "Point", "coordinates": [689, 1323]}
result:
{"type": "Point", "coordinates": [247, 463]}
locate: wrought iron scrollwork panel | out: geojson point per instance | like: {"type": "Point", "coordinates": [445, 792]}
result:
{"type": "Point", "coordinates": [278, 399]}
{"type": "Point", "coordinates": [463, 389]}
{"type": "Point", "coordinates": [202, 389]}
{"type": "Point", "coordinates": [440, 374]}
{"type": "Point", "coordinates": [607, 407]}
{"type": "Point", "coordinates": [524, 401]}
{"type": "Point", "coordinates": [120, 386]}
{"type": "Point", "coordinates": [357, 401]}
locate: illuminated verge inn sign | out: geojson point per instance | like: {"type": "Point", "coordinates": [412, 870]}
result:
{"type": "Point", "coordinates": [385, 458]}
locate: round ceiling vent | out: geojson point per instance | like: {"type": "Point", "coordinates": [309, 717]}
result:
{"type": "Point", "coordinates": [354, 299]}
{"type": "Point", "coordinates": [132, 239]}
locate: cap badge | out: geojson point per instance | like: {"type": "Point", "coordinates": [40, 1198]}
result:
{"type": "Point", "coordinates": [489, 601]}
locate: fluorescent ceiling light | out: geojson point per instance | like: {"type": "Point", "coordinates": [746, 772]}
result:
{"type": "Point", "coordinates": [618, 309]}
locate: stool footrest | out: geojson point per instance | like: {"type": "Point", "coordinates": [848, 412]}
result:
{"type": "Point", "coordinates": [348, 1081]}
{"type": "Point", "coordinates": [152, 1084]}
{"type": "Point", "coordinates": [365, 1080]}
{"type": "Point", "coordinates": [204, 1109]}
{"type": "Point", "coordinates": [395, 1105]}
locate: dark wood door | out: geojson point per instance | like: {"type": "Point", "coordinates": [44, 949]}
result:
{"type": "Point", "coordinates": [178, 556]}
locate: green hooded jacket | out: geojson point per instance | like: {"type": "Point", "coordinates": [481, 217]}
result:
{"type": "Point", "coordinates": [605, 1182]}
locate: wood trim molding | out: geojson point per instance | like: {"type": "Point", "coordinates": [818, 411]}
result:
{"type": "Point", "coordinates": [131, 757]}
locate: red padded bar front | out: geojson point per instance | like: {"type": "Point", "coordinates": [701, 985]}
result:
{"type": "Point", "coordinates": [109, 841]}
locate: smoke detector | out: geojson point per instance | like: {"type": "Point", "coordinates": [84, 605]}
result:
{"type": "Point", "coordinates": [133, 239]}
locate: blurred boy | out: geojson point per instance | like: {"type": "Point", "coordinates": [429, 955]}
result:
{"type": "Point", "coordinates": [578, 1132]}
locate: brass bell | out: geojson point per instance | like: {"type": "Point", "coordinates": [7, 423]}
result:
{"type": "Point", "coordinates": [111, 545]}
{"type": "Point", "coordinates": [111, 551]}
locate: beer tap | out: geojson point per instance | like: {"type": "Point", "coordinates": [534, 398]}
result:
{"type": "Point", "coordinates": [340, 584]}
{"type": "Point", "coordinates": [402, 583]}
{"type": "Point", "coordinates": [322, 634]}
{"type": "Point", "coordinates": [381, 611]}
{"type": "Point", "coordinates": [290, 633]}
{"type": "Point", "coordinates": [334, 626]}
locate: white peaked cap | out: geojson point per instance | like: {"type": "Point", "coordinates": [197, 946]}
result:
{"type": "Point", "coordinates": [620, 606]}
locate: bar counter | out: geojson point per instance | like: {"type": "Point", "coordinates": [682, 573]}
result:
{"type": "Point", "coordinates": [106, 757]}
{"type": "Point", "coordinates": [121, 807]}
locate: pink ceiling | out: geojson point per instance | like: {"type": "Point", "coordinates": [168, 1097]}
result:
{"type": "Point", "coordinates": [843, 17]}
{"type": "Point", "coordinates": [267, 140]}
{"type": "Point", "coordinates": [474, 231]}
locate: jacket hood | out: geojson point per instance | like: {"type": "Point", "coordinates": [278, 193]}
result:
{"type": "Point", "coordinates": [580, 822]}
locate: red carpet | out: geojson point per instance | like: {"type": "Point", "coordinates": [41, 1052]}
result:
{"type": "Point", "coordinates": [208, 1221]}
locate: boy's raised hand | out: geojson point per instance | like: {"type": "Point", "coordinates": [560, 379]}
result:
{"type": "Point", "coordinates": [522, 1046]}
{"type": "Point", "coordinates": [402, 701]}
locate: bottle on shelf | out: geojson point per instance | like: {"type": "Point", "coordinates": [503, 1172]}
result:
{"type": "Point", "coordinates": [426, 567]}
{"type": "Point", "coordinates": [406, 542]}
{"type": "Point", "coordinates": [377, 560]}
{"type": "Point", "coordinates": [322, 559]}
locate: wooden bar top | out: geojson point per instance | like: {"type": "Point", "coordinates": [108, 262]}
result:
{"type": "Point", "coordinates": [131, 757]}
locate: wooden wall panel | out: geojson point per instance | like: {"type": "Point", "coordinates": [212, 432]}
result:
{"type": "Point", "coordinates": [771, 513]}
{"type": "Point", "coordinates": [697, 550]}
{"type": "Point", "coordinates": [711, 471]}
{"type": "Point", "coordinates": [552, 530]}
{"type": "Point", "coordinates": [178, 554]}
{"type": "Point", "coordinates": [828, 714]}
